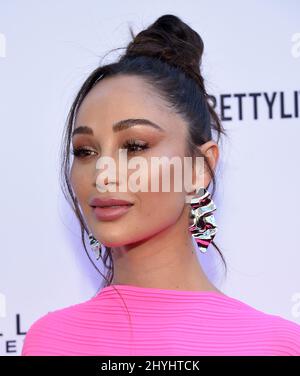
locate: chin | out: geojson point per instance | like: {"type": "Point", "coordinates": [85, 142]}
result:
{"type": "Point", "coordinates": [109, 240]}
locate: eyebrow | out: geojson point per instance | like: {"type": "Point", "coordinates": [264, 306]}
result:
{"type": "Point", "coordinates": [119, 126]}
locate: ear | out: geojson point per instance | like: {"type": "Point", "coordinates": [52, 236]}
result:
{"type": "Point", "coordinates": [211, 150]}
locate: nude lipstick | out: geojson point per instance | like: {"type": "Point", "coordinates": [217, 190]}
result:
{"type": "Point", "coordinates": [107, 209]}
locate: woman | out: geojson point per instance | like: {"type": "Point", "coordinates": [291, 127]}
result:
{"type": "Point", "coordinates": [157, 299]}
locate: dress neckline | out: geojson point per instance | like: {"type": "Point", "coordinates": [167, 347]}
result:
{"type": "Point", "coordinates": [141, 289]}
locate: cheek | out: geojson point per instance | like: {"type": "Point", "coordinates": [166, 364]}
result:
{"type": "Point", "coordinates": [160, 208]}
{"type": "Point", "coordinates": [80, 181]}
{"type": "Point", "coordinates": [155, 212]}
{"type": "Point", "coordinates": [166, 172]}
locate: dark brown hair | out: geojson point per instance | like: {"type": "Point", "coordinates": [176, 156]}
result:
{"type": "Point", "coordinates": [167, 55]}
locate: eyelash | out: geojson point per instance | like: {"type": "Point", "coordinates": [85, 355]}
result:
{"type": "Point", "coordinates": [77, 152]}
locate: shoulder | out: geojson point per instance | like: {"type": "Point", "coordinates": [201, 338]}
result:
{"type": "Point", "coordinates": [286, 335]}
{"type": "Point", "coordinates": [273, 333]}
{"type": "Point", "coordinates": [38, 334]}
{"type": "Point", "coordinates": [47, 333]}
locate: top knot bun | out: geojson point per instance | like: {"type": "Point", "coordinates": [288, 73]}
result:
{"type": "Point", "coordinates": [171, 40]}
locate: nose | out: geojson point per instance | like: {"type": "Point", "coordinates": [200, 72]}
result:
{"type": "Point", "coordinates": [102, 185]}
{"type": "Point", "coordinates": [109, 171]}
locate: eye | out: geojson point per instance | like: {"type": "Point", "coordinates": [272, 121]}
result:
{"type": "Point", "coordinates": [81, 152]}
{"type": "Point", "coordinates": [135, 146]}
{"type": "Point", "coordinates": [132, 145]}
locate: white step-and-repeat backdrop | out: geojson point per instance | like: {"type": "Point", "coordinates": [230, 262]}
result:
{"type": "Point", "coordinates": [251, 65]}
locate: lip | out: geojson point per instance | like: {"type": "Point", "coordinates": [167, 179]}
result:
{"type": "Point", "coordinates": [103, 208]}
{"type": "Point", "coordinates": [109, 213]}
{"type": "Point", "coordinates": [108, 202]}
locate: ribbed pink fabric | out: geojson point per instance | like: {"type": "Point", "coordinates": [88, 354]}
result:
{"type": "Point", "coordinates": [163, 322]}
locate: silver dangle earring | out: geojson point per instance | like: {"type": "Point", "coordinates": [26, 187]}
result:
{"type": "Point", "coordinates": [203, 227]}
{"type": "Point", "coordinates": [95, 245]}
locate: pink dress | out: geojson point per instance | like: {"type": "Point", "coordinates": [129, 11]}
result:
{"type": "Point", "coordinates": [161, 322]}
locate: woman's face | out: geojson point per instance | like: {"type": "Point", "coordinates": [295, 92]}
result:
{"type": "Point", "coordinates": [110, 101]}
